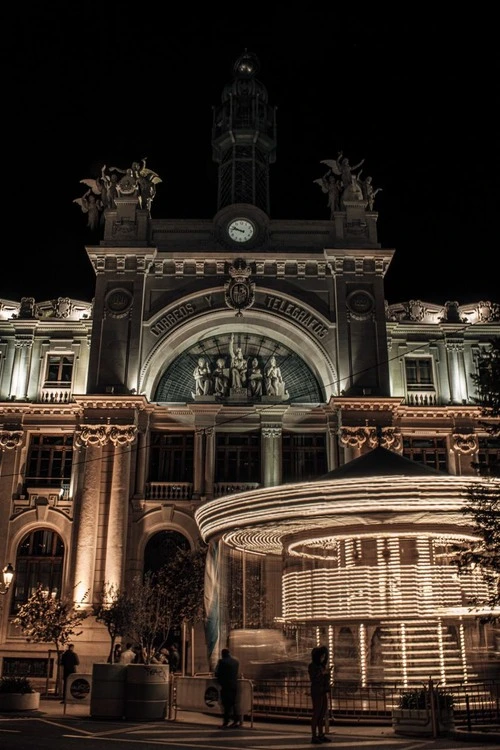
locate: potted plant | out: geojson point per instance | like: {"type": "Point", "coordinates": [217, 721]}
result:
{"type": "Point", "coordinates": [108, 680]}
{"type": "Point", "coordinates": [423, 710]}
{"type": "Point", "coordinates": [18, 694]}
{"type": "Point", "coordinates": [46, 619]}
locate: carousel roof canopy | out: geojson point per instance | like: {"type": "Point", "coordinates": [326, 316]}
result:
{"type": "Point", "coordinates": [381, 462]}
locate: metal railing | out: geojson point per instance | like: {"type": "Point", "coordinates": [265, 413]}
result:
{"type": "Point", "coordinates": [474, 704]}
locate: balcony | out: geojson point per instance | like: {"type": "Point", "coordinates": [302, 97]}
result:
{"type": "Point", "coordinates": [169, 491]}
{"type": "Point", "coordinates": [422, 396]}
{"type": "Point", "coordinates": [56, 393]}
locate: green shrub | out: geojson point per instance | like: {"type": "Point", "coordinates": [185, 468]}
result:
{"type": "Point", "coordinates": [16, 685]}
{"type": "Point", "coordinates": [419, 698]}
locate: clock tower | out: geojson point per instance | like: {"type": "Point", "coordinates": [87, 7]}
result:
{"type": "Point", "coordinates": [244, 141]}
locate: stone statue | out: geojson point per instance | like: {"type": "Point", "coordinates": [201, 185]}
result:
{"type": "Point", "coordinates": [353, 191]}
{"type": "Point", "coordinates": [202, 378]}
{"type": "Point", "coordinates": [329, 184]}
{"type": "Point", "coordinates": [220, 379]}
{"type": "Point", "coordinates": [238, 365]}
{"type": "Point", "coordinates": [368, 192]}
{"type": "Point", "coordinates": [341, 167]}
{"type": "Point", "coordinates": [92, 206]}
{"type": "Point", "coordinates": [255, 378]}
{"type": "Point", "coordinates": [275, 385]}
{"type": "Point", "coordinates": [136, 181]}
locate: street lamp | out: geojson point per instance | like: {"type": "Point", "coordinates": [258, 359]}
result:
{"type": "Point", "coordinates": [8, 575]}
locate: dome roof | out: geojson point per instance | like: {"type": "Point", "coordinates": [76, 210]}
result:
{"type": "Point", "coordinates": [381, 462]}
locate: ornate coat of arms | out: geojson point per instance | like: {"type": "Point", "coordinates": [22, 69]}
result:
{"type": "Point", "coordinates": [239, 293]}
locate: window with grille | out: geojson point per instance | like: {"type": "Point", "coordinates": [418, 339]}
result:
{"type": "Point", "coordinates": [237, 457]}
{"type": "Point", "coordinates": [50, 459]}
{"type": "Point", "coordinates": [39, 561]}
{"type": "Point", "coordinates": [171, 457]}
{"type": "Point", "coordinates": [488, 456]}
{"type": "Point", "coordinates": [428, 451]}
{"type": "Point", "coordinates": [303, 456]}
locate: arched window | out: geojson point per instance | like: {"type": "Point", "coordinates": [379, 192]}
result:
{"type": "Point", "coordinates": [161, 548]}
{"type": "Point", "coordinates": [39, 560]}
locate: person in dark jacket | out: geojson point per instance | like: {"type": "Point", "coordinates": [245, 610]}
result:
{"type": "Point", "coordinates": [69, 663]}
{"type": "Point", "coordinates": [227, 673]}
{"type": "Point", "coordinates": [319, 675]}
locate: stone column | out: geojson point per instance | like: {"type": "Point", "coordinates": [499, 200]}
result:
{"type": "Point", "coordinates": [199, 464]}
{"type": "Point", "coordinates": [9, 441]}
{"type": "Point", "coordinates": [90, 439]}
{"type": "Point", "coordinates": [141, 463]}
{"type": "Point", "coordinates": [209, 462]}
{"type": "Point", "coordinates": [122, 439]}
{"type": "Point", "coordinates": [19, 387]}
{"type": "Point", "coordinates": [332, 447]}
{"type": "Point", "coordinates": [271, 454]}
{"type": "Point", "coordinates": [456, 372]}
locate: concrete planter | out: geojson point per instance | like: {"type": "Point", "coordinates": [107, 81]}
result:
{"type": "Point", "coordinates": [107, 699]}
{"type": "Point", "coordinates": [19, 701]}
{"type": "Point", "coordinates": [147, 690]}
{"type": "Point", "coordinates": [418, 721]}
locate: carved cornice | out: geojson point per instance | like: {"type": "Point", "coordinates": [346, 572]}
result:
{"type": "Point", "coordinates": [109, 403]}
{"type": "Point", "coordinates": [347, 403]}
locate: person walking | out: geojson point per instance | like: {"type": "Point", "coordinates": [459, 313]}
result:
{"type": "Point", "coordinates": [319, 675]}
{"type": "Point", "coordinates": [69, 663]}
{"type": "Point", "coordinates": [227, 673]}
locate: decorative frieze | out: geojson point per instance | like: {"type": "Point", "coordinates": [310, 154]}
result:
{"type": "Point", "coordinates": [464, 443]}
{"type": "Point", "coordinates": [10, 439]}
{"type": "Point", "coordinates": [100, 435]}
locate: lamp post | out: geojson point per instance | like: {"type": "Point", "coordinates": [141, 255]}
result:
{"type": "Point", "coordinates": [8, 575]}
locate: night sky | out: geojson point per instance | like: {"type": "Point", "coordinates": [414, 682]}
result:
{"type": "Point", "coordinates": [413, 94]}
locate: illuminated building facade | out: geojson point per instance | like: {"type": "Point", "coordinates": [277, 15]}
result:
{"type": "Point", "coordinates": [220, 384]}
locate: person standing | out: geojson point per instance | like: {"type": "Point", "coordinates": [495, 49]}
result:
{"type": "Point", "coordinates": [319, 675]}
{"type": "Point", "coordinates": [128, 656]}
{"type": "Point", "coordinates": [174, 658]}
{"type": "Point", "coordinates": [227, 673]}
{"type": "Point", "coordinates": [69, 663]}
{"type": "Point", "coordinates": [114, 658]}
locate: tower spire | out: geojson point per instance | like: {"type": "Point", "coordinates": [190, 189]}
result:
{"type": "Point", "coordinates": [244, 137]}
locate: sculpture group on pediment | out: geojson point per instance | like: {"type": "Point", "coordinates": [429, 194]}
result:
{"type": "Point", "coordinates": [343, 184]}
{"type": "Point", "coordinates": [136, 181]}
{"type": "Point", "coordinates": [237, 375]}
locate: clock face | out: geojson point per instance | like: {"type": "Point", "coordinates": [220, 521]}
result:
{"type": "Point", "coordinates": [240, 230]}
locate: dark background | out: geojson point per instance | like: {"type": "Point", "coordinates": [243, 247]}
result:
{"type": "Point", "coordinates": [413, 93]}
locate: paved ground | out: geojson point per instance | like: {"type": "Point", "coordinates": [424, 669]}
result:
{"type": "Point", "coordinates": [203, 731]}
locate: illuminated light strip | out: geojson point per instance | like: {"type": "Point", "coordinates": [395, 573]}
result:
{"type": "Point", "coordinates": [362, 653]}
{"type": "Point", "coordinates": [441, 651]}
{"type": "Point", "coordinates": [305, 506]}
{"type": "Point", "coordinates": [404, 655]}
{"type": "Point", "coordinates": [463, 651]}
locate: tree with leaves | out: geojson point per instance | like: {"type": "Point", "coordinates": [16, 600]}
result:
{"type": "Point", "coordinates": [113, 611]}
{"type": "Point", "coordinates": [161, 599]}
{"type": "Point", "coordinates": [45, 619]}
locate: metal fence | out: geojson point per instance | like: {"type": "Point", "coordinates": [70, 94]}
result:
{"type": "Point", "coordinates": [475, 704]}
